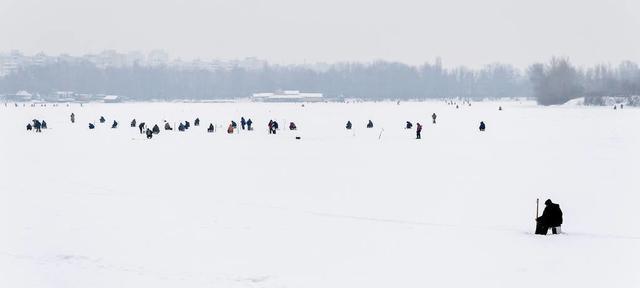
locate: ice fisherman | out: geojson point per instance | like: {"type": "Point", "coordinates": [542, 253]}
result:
{"type": "Point", "coordinates": [482, 126]}
{"type": "Point", "coordinates": [418, 131]}
{"type": "Point", "coordinates": [551, 218]}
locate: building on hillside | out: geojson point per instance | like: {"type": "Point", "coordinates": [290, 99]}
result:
{"type": "Point", "coordinates": [287, 96]}
{"type": "Point", "coordinates": [112, 99]}
{"type": "Point", "coordinates": [19, 96]}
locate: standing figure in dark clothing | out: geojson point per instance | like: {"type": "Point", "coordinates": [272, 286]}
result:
{"type": "Point", "coordinates": [141, 127]}
{"type": "Point", "coordinates": [156, 129]}
{"type": "Point", "coordinates": [270, 126]}
{"type": "Point", "coordinates": [115, 124]}
{"type": "Point", "coordinates": [73, 118]}
{"type": "Point", "coordinates": [102, 119]}
{"type": "Point", "coordinates": [418, 131]}
{"type": "Point", "coordinates": [37, 125]}
{"type": "Point", "coordinates": [482, 126]}
{"type": "Point", "coordinates": [91, 126]}
{"type": "Point", "coordinates": [167, 126]}
{"type": "Point", "coordinates": [234, 124]}
{"type": "Point", "coordinates": [187, 124]}
{"type": "Point", "coordinates": [292, 126]}
{"type": "Point", "coordinates": [370, 124]}
{"type": "Point", "coordinates": [210, 129]}
{"type": "Point", "coordinates": [499, 108]}
{"type": "Point", "coordinates": [149, 133]}
{"type": "Point", "coordinates": [196, 122]}
{"type": "Point", "coordinates": [433, 116]}
{"type": "Point", "coordinates": [29, 127]}
{"type": "Point", "coordinates": [249, 122]}
{"type": "Point", "coordinates": [275, 127]}
{"type": "Point", "coordinates": [242, 122]}
{"type": "Point", "coordinates": [44, 124]}
{"type": "Point", "coordinates": [551, 218]}
{"type": "Point", "coordinates": [349, 125]}
{"type": "Point", "coordinates": [133, 123]}
{"type": "Point", "coordinates": [408, 126]}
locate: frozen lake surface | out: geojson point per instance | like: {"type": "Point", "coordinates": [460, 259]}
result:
{"type": "Point", "coordinates": [361, 208]}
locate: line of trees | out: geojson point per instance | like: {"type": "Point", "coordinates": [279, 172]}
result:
{"type": "Point", "coordinates": [559, 81]}
{"type": "Point", "coordinates": [554, 82]}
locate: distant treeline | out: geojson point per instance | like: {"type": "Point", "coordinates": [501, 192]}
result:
{"type": "Point", "coordinates": [552, 83]}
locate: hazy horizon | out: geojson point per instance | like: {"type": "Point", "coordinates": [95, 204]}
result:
{"type": "Point", "coordinates": [461, 32]}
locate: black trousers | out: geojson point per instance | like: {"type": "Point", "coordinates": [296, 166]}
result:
{"type": "Point", "coordinates": [542, 229]}
{"type": "Point", "coordinates": [418, 135]}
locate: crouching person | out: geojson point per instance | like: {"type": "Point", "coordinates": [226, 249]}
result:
{"type": "Point", "coordinates": [551, 218]}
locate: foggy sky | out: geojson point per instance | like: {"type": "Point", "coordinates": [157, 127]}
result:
{"type": "Point", "coordinates": [462, 32]}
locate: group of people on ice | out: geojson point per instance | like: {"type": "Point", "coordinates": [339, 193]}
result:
{"type": "Point", "coordinates": [245, 124]}
{"type": "Point", "coordinates": [37, 125]}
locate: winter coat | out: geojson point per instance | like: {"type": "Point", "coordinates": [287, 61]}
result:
{"type": "Point", "coordinates": [551, 216]}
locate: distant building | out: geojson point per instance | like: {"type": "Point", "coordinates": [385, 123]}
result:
{"type": "Point", "coordinates": [112, 99]}
{"type": "Point", "coordinates": [19, 96]}
{"type": "Point", "coordinates": [288, 96]}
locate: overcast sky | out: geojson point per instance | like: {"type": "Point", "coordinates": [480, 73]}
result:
{"type": "Point", "coordinates": [462, 32]}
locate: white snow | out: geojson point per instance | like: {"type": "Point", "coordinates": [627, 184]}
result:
{"type": "Point", "coordinates": [338, 208]}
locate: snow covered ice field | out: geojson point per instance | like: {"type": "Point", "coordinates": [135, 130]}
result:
{"type": "Point", "coordinates": [338, 208]}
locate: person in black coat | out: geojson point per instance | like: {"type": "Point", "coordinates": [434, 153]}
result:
{"type": "Point", "coordinates": [149, 133]}
{"type": "Point", "coordinates": [551, 218]}
{"type": "Point", "coordinates": [115, 124]}
{"type": "Point", "coordinates": [370, 124]}
{"type": "Point", "coordinates": [349, 125]}
{"type": "Point", "coordinates": [187, 124]}
{"type": "Point", "coordinates": [133, 123]}
{"type": "Point", "coordinates": [102, 119]}
{"type": "Point", "coordinates": [482, 126]}
{"type": "Point", "coordinates": [196, 122]}
{"type": "Point", "coordinates": [44, 124]}
{"type": "Point", "coordinates": [249, 123]}
{"type": "Point", "coordinates": [29, 127]}
{"type": "Point", "coordinates": [141, 127]}
{"type": "Point", "coordinates": [91, 126]}
{"type": "Point", "coordinates": [37, 125]}
{"type": "Point", "coordinates": [243, 122]}
{"type": "Point", "coordinates": [434, 116]}
{"type": "Point", "coordinates": [73, 118]}
{"type": "Point", "coordinates": [210, 129]}
{"type": "Point", "coordinates": [156, 129]}
{"type": "Point", "coordinates": [167, 126]}
{"type": "Point", "coordinates": [292, 126]}
{"type": "Point", "coordinates": [418, 131]}
{"type": "Point", "coordinates": [181, 127]}
{"type": "Point", "coordinates": [408, 126]}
